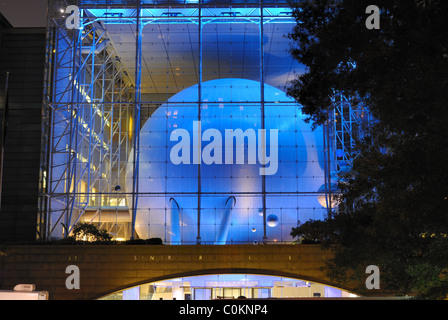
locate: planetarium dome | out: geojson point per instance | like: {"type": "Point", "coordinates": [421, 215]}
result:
{"type": "Point", "coordinates": [230, 194]}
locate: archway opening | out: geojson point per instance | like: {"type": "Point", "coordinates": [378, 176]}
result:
{"type": "Point", "coordinates": [228, 286]}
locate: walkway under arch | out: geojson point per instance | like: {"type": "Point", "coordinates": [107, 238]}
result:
{"type": "Point", "coordinates": [104, 269]}
{"type": "Point", "coordinates": [227, 284]}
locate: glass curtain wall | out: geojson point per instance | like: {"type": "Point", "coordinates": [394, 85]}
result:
{"type": "Point", "coordinates": [169, 120]}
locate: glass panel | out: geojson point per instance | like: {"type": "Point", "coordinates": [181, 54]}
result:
{"type": "Point", "coordinates": [279, 68]}
{"type": "Point", "coordinates": [170, 58]}
{"type": "Point", "coordinates": [231, 51]}
{"type": "Point", "coordinates": [202, 294]}
{"type": "Point", "coordinates": [198, 122]}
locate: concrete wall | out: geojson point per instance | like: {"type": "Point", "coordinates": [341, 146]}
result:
{"type": "Point", "coordinates": [108, 268]}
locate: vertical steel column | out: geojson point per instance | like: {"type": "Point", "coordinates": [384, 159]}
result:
{"type": "Point", "coordinates": [263, 137]}
{"type": "Point", "coordinates": [198, 237]}
{"type": "Point", "coordinates": [72, 154]}
{"type": "Point", "coordinates": [75, 118]}
{"type": "Point", "coordinates": [327, 163]}
{"type": "Point", "coordinates": [138, 71]}
{"type": "Point", "coordinates": [51, 97]}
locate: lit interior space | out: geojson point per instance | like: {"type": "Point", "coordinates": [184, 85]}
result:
{"type": "Point", "coordinates": [228, 286]}
{"type": "Point", "coordinates": [133, 73]}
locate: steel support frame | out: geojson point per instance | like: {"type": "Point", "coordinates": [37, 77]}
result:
{"type": "Point", "coordinates": [116, 98]}
{"type": "Point", "coordinates": [87, 102]}
{"type": "Point", "coordinates": [348, 122]}
{"type": "Point", "coordinates": [140, 20]}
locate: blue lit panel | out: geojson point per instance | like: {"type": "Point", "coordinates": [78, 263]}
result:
{"type": "Point", "coordinates": [227, 104]}
{"type": "Point", "coordinates": [176, 15]}
{"type": "Point", "coordinates": [233, 50]}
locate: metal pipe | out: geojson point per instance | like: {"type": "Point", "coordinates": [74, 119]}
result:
{"type": "Point", "coordinates": [138, 71]}
{"type": "Point", "coordinates": [198, 237]}
{"type": "Point", "coordinates": [221, 237]}
{"type": "Point", "coordinates": [263, 126]}
{"type": "Point", "coordinates": [175, 223]}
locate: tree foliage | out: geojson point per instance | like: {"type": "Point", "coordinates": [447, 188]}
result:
{"type": "Point", "coordinates": [89, 232]}
{"type": "Point", "coordinates": [393, 211]}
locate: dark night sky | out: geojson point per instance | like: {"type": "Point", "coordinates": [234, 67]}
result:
{"type": "Point", "coordinates": [25, 13]}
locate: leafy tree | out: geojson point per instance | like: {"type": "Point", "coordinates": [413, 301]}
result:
{"type": "Point", "coordinates": [393, 210]}
{"type": "Point", "coordinates": [89, 232]}
{"type": "Point", "coordinates": [312, 231]}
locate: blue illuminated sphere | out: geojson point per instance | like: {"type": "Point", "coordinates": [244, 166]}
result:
{"type": "Point", "coordinates": [272, 220]}
{"type": "Point", "coordinates": [325, 200]}
{"type": "Point", "coordinates": [227, 104]}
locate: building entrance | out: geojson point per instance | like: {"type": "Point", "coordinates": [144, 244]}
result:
{"type": "Point", "coordinates": [230, 293]}
{"type": "Point", "coordinates": [227, 286]}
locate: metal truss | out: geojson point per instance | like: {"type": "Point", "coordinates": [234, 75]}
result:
{"type": "Point", "coordinates": [86, 141]}
{"type": "Point", "coordinates": [348, 125]}
{"type": "Point", "coordinates": [199, 15]}
{"type": "Point", "coordinates": [89, 100]}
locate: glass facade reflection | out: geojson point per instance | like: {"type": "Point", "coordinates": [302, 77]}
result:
{"type": "Point", "coordinates": [135, 82]}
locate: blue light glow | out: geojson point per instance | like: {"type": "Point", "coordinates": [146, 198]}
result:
{"type": "Point", "coordinates": [167, 15]}
{"type": "Point", "coordinates": [289, 192]}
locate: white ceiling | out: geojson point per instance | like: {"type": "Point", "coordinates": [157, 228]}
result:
{"type": "Point", "coordinates": [171, 54]}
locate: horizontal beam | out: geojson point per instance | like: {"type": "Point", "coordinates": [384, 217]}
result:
{"type": "Point", "coordinates": [191, 15]}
